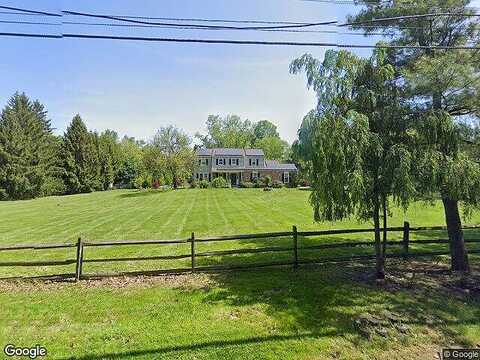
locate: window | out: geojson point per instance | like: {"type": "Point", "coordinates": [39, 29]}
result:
{"type": "Point", "coordinates": [206, 161]}
{"type": "Point", "coordinates": [254, 175]}
{"type": "Point", "coordinates": [256, 162]}
{"type": "Point", "coordinates": [199, 162]}
{"type": "Point", "coordinates": [250, 162]}
{"type": "Point", "coordinates": [230, 162]}
{"type": "Point", "coordinates": [238, 162]}
{"type": "Point", "coordinates": [286, 177]}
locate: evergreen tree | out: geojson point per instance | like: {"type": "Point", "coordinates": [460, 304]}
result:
{"type": "Point", "coordinates": [109, 157]}
{"type": "Point", "coordinates": [441, 85]}
{"type": "Point", "coordinates": [26, 149]}
{"type": "Point", "coordinates": [80, 159]}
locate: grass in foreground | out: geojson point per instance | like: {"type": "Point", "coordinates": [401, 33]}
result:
{"type": "Point", "coordinates": [274, 314]}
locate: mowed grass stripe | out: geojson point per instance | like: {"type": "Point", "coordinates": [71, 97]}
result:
{"type": "Point", "coordinates": [131, 214]}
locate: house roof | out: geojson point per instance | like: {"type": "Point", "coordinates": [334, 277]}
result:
{"type": "Point", "coordinates": [230, 152]}
{"type": "Point", "coordinates": [204, 152]}
{"type": "Point", "coordinates": [254, 152]}
{"type": "Point", "coordinates": [275, 165]}
{"type": "Point", "coordinates": [269, 164]}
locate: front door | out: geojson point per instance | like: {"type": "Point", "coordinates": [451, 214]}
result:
{"type": "Point", "coordinates": [233, 179]}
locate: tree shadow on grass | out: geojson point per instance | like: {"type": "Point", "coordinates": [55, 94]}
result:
{"type": "Point", "coordinates": [315, 302]}
{"type": "Point", "coordinates": [141, 193]}
{"type": "Point", "coordinates": [331, 296]}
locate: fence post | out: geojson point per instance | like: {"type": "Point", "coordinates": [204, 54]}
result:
{"type": "Point", "coordinates": [192, 244]}
{"type": "Point", "coordinates": [406, 239]}
{"type": "Point", "coordinates": [78, 268]}
{"type": "Point", "coordinates": [295, 247]}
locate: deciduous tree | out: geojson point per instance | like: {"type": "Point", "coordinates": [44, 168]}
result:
{"type": "Point", "coordinates": [174, 147]}
{"type": "Point", "coordinates": [358, 144]}
{"type": "Point", "coordinates": [442, 85]}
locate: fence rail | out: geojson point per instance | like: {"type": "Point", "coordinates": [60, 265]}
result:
{"type": "Point", "coordinates": [193, 255]}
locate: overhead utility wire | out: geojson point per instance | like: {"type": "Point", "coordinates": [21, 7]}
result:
{"type": "Point", "coordinates": [127, 18]}
{"type": "Point", "coordinates": [200, 26]}
{"type": "Point", "coordinates": [30, 11]}
{"type": "Point", "coordinates": [179, 27]}
{"type": "Point", "coordinates": [235, 42]}
{"type": "Point", "coordinates": [200, 20]}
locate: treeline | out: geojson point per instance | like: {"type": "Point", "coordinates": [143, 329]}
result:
{"type": "Point", "coordinates": [34, 162]}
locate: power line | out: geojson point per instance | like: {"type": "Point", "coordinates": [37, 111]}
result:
{"type": "Point", "coordinates": [179, 27]}
{"type": "Point", "coordinates": [236, 42]}
{"type": "Point", "coordinates": [207, 20]}
{"type": "Point", "coordinates": [30, 11]}
{"type": "Point", "coordinates": [199, 26]}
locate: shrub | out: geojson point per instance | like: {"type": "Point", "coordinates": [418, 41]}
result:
{"type": "Point", "coordinates": [142, 182]}
{"type": "Point", "coordinates": [204, 184]}
{"type": "Point", "coordinates": [247, 185]}
{"type": "Point", "coordinates": [266, 181]}
{"type": "Point", "coordinates": [194, 184]}
{"type": "Point", "coordinates": [278, 184]}
{"type": "Point", "coordinates": [258, 183]}
{"type": "Point", "coordinates": [220, 183]}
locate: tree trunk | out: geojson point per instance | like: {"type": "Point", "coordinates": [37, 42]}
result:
{"type": "Point", "coordinates": [384, 210]}
{"type": "Point", "coordinates": [380, 261]}
{"type": "Point", "coordinates": [458, 252]}
{"type": "Point", "coordinates": [174, 179]}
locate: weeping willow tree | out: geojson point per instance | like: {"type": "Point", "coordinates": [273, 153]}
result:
{"type": "Point", "coordinates": [360, 149]}
{"type": "Point", "coordinates": [442, 84]}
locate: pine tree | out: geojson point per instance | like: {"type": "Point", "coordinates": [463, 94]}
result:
{"type": "Point", "coordinates": [109, 157]}
{"type": "Point", "coordinates": [81, 161]}
{"type": "Point", "coordinates": [440, 85]}
{"type": "Point", "coordinates": [26, 149]}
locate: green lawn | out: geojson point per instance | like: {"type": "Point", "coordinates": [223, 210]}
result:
{"type": "Point", "coordinates": [130, 214]}
{"type": "Point", "coordinates": [269, 314]}
{"type": "Point", "coordinates": [140, 215]}
{"type": "Point", "coordinates": [264, 314]}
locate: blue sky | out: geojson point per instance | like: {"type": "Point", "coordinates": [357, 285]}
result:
{"type": "Point", "coordinates": [135, 88]}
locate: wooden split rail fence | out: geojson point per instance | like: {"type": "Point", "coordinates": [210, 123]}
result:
{"type": "Point", "coordinates": [295, 261]}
